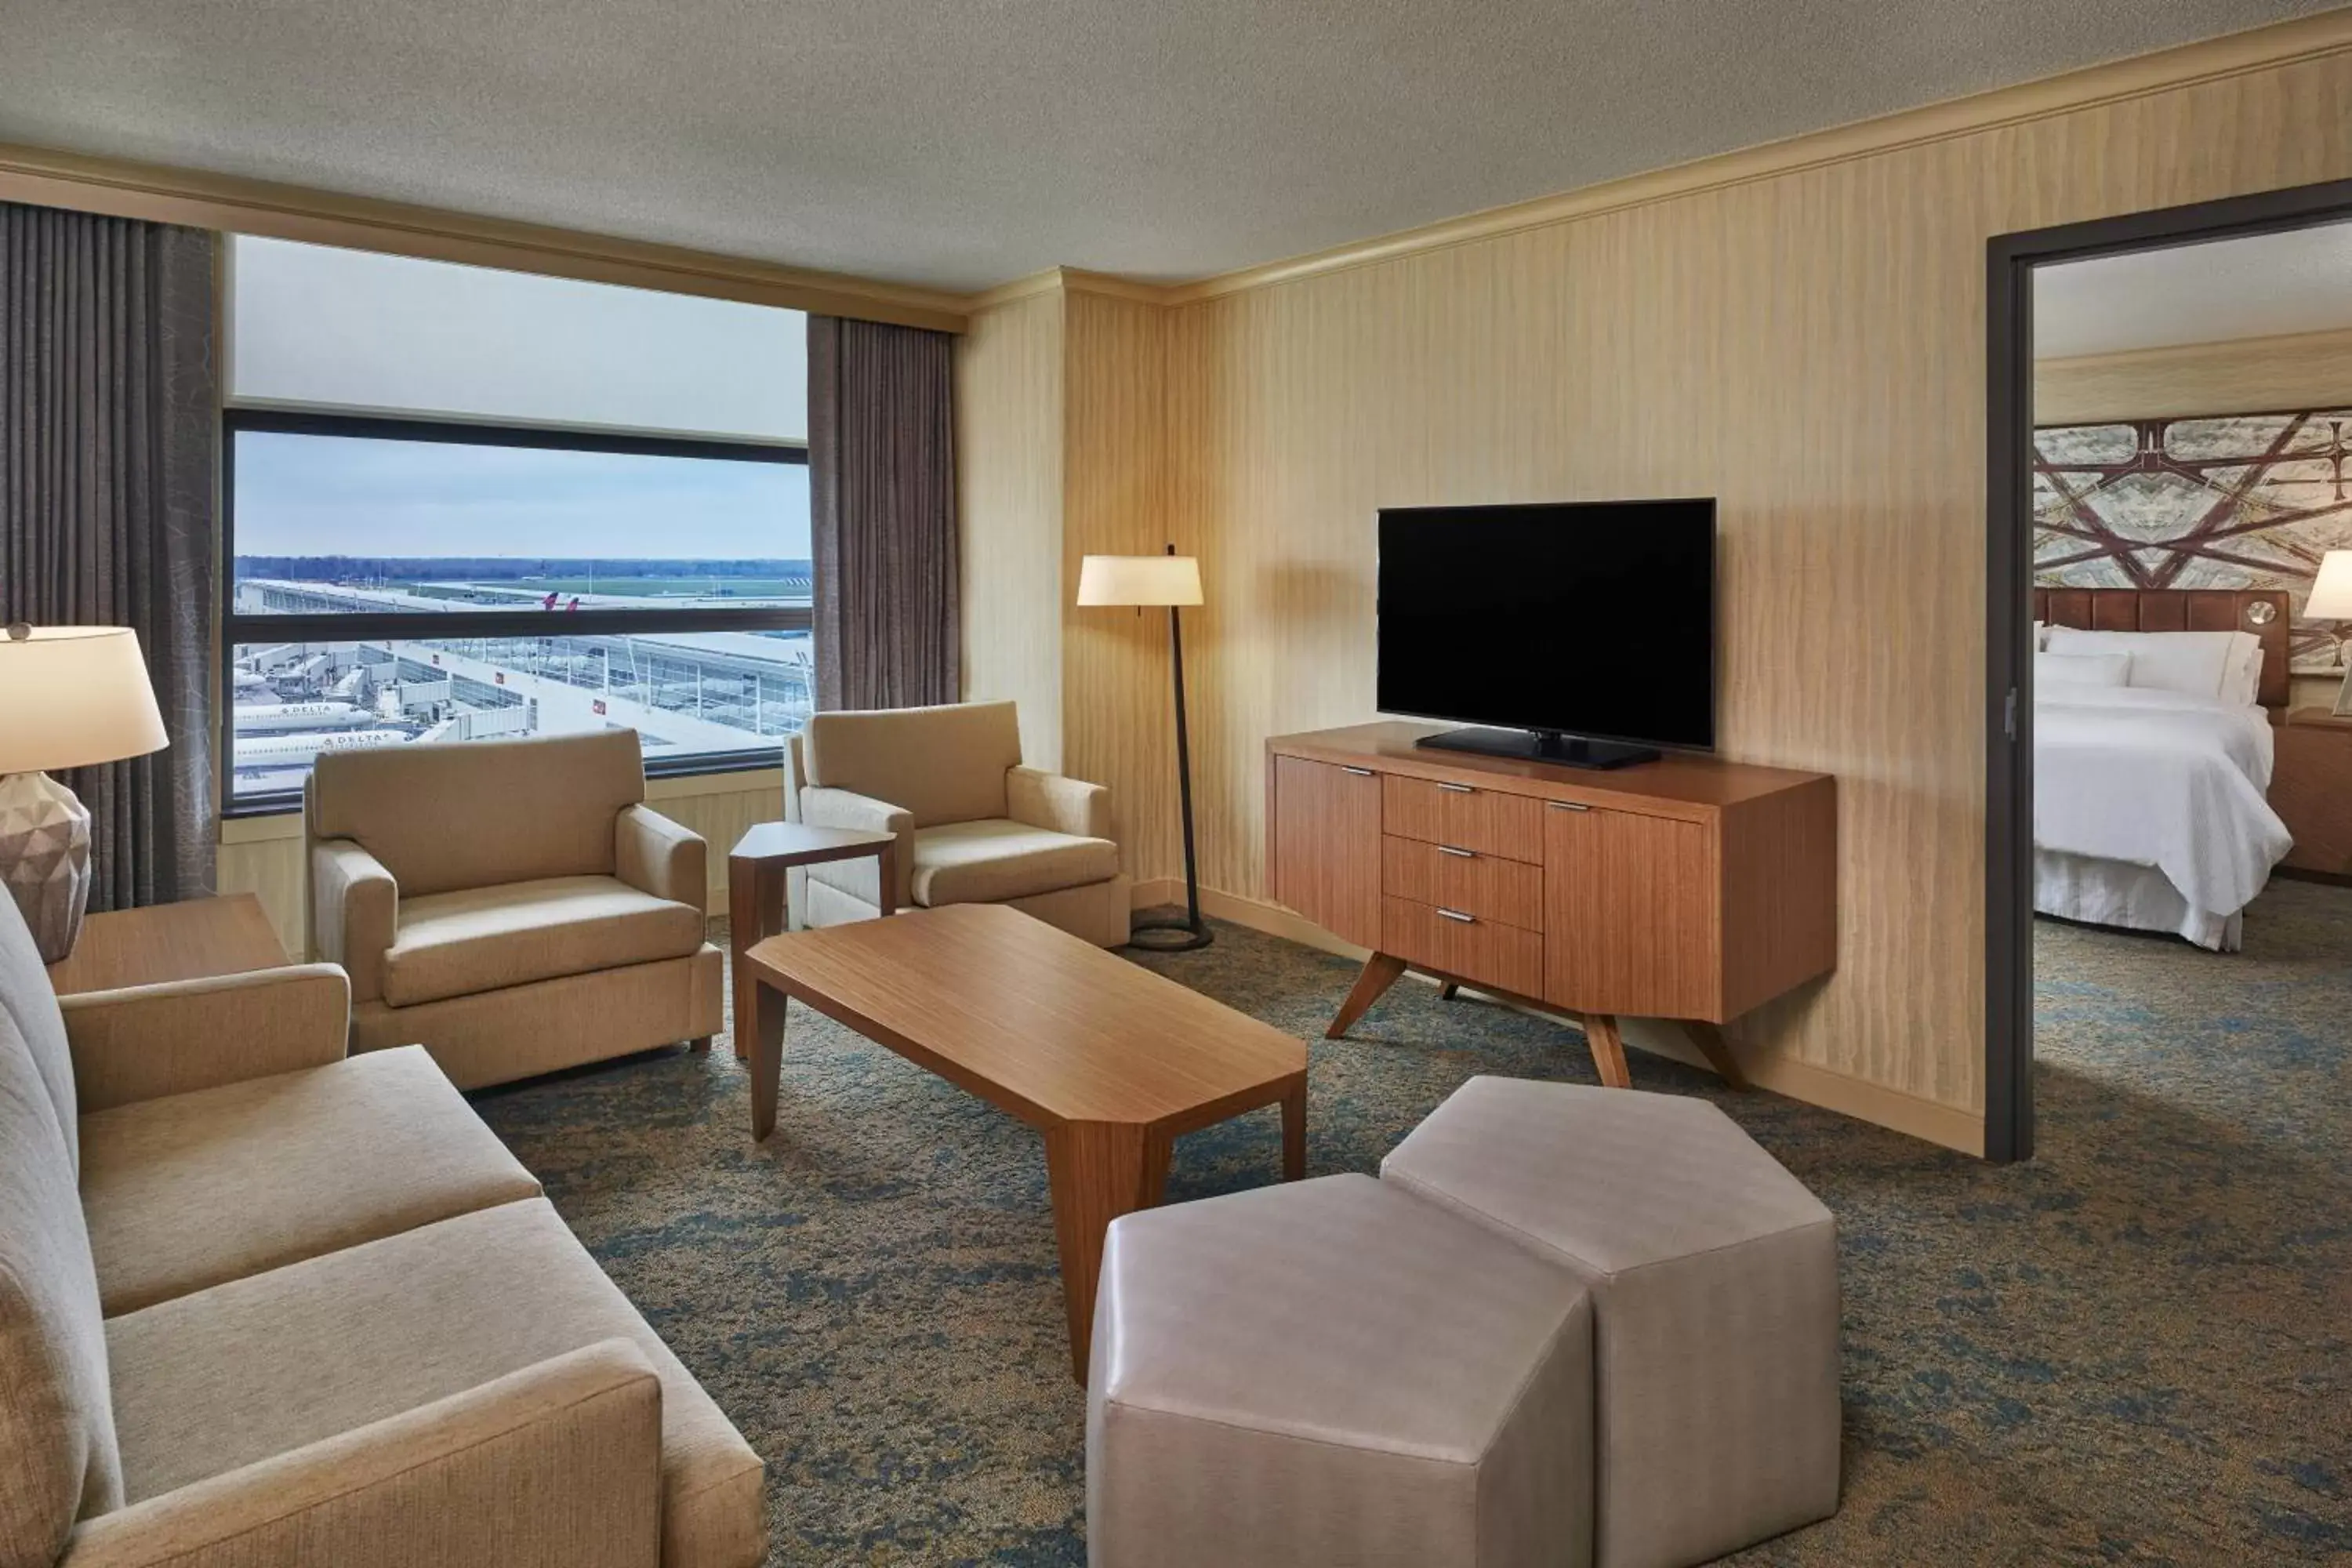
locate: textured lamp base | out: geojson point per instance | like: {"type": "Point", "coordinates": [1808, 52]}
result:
{"type": "Point", "coordinates": [45, 859]}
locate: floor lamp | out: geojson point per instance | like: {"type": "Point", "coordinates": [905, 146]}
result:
{"type": "Point", "coordinates": [1174, 580]}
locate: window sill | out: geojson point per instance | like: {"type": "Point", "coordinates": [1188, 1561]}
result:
{"type": "Point", "coordinates": [261, 822]}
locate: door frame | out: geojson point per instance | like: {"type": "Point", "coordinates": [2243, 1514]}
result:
{"type": "Point", "coordinates": [2010, 261]}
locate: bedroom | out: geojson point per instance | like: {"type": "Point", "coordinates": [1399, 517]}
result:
{"type": "Point", "coordinates": [2192, 551]}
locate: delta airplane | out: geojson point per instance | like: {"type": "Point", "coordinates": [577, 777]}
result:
{"type": "Point", "coordinates": [288, 751]}
{"type": "Point", "coordinates": [267, 718]}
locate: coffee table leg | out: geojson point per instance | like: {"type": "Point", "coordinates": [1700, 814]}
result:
{"type": "Point", "coordinates": [1294, 1131]}
{"type": "Point", "coordinates": [767, 1056]}
{"type": "Point", "coordinates": [1098, 1171]}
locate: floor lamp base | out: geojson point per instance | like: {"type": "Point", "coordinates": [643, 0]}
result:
{"type": "Point", "coordinates": [1170, 936]}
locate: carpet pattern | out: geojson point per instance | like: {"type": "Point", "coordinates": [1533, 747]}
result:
{"type": "Point", "coordinates": [2135, 1349]}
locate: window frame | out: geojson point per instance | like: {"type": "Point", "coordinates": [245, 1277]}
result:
{"type": "Point", "coordinates": [238, 628]}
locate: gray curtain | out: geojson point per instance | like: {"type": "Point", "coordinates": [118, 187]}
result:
{"type": "Point", "coordinates": [109, 431]}
{"type": "Point", "coordinates": [882, 506]}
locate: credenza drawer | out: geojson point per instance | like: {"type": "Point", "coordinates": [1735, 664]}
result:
{"type": "Point", "coordinates": [1486, 886]}
{"type": "Point", "coordinates": [1458, 943]}
{"type": "Point", "coordinates": [1489, 821]}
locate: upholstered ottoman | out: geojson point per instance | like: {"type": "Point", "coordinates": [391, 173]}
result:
{"type": "Point", "coordinates": [1714, 1299]}
{"type": "Point", "coordinates": [1333, 1371]}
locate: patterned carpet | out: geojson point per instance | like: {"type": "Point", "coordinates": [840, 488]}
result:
{"type": "Point", "coordinates": [2136, 1349]}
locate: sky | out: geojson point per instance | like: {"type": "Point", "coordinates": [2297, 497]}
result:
{"type": "Point", "coordinates": [340, 495]}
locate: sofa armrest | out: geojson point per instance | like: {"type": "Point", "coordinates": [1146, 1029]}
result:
{"type": "Point", "coordinates": [146, 1041]}
{"type": "Point", "coordinates": [354, 912]}
{"type": "Point", "coordinates": [557, 1465]}
{"type": "Point", "coordinates": [655, 855]}
{"type": "Point", "coordinates": [822, 806]}
{"type": "Point", "coordinates": [1057, 804]}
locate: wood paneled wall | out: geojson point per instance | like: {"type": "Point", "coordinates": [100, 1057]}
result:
{"type": "Point", "coordinates": [2249, 376]}
{"type": "Point", "coordinates": [1808, 346]}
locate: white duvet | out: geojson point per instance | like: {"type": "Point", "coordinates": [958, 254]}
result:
{"type": "Point", "coordinates": [2156, 778]}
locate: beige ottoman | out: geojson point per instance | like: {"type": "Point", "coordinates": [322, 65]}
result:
{"type": "Point", "coordinates": [1715, 1299]}
{"type": "Point", "coordinates": [1332, 1372]}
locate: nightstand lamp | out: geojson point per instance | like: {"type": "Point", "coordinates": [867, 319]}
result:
{"type": "Point", "coordinates": [2331, 600]}
{"type": "Point", "coordinates": [69, 697]}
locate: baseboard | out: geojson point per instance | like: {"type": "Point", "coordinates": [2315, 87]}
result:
{"type": "Point", "coordinates": [1929, 1119]}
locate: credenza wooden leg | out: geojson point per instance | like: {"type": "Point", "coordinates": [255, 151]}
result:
{"type": "Point", "coordinates": [1608, 1049]}
{"type": "Point", "coordinates": [1708, 1038]}
{"type": "Point", "coordinates": [1446, 990]}
{"type": "Point", "coordinates": [1381, 972]}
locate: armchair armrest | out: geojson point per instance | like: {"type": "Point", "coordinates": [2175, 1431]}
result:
{"type": "Point", "coordinates": [146, 1041]}
{"type": "Point", "coordinates": [655, 855]}
{"type": "Point", "coordinates": [1057, 804]}
{"type": "Point", "coordinates": [822, 806]}
{"type": "Point", "coordinates": [557, 1465]}
{"type": "Point", "coordinates": [354, 912]}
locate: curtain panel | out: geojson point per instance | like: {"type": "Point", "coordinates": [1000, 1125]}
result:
{"type": "Point", "coordinates": [882, 514]}
{"type": "Point", "coordinates": [109, 439]}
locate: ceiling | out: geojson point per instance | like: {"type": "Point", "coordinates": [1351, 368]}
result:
{"type": "Point", "coordinates": [960, 143]}
{"type": "Point", "coordinates": [2263, 286]}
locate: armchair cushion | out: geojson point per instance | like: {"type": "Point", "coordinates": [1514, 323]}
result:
{"type": "Point", "coordinates": [555, 1465]}
{"type": "Point", "coordinates": [489, 939]}
{"type": "Point", "coordinates": [354, 912]}
{"type": "Point", "coordinates": [146, 1041]}
{"type": "Point", "coordinates": [655, 855]}
{"type": "Point", "coordinates": [942, 764]}
{"type": "Point", "coordinates": [989, 862]}
{"type": "Point", "coordinates": [192, 1190]}
{"type": "Point", "coordinates": [231, 1376]}
{"type": "Point", "coordinates": [1052, 800]}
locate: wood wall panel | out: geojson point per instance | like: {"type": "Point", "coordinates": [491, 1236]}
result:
{"type": "Point", "coordinates": [1807, 347]}
{"type": "Point", "coordinates": [2249, 376]}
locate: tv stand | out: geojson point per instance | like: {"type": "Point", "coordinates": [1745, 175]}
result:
{"type": "Point", "coordinates": [1542, 746]}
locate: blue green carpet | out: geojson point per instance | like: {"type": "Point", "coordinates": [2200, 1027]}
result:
{"type": "Point", "coordinates": [2135, 1349]}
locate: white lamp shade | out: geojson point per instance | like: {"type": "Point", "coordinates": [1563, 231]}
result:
{"type": "Point", "coordinates": [2331, 592]}
{"type": "Point", "coordinates": [1139, 580]}
{"type": "Point", "coordinates": [71, 695]}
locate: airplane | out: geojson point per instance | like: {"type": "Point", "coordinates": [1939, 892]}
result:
{"type": "Point", "coordinates": [267, 718]}
{"type": "Point", "coordinates": [290, 750]}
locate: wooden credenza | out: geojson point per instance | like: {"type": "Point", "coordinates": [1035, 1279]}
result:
{"type": "Point", "coordinates": [1685, 889]}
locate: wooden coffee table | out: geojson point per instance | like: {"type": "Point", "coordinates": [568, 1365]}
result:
{"type": "Point", "coordinates": [1109, 1060]}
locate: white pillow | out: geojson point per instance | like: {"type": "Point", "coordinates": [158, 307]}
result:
{"type": "Point", "coordinates": [2081, 670]}
{"type": "Point", "coordinates": [2243, 683]}
{"type": "Point", "coordinates": [2190, 662]}
{"type": "Point", "coordinates": [2041, 636]}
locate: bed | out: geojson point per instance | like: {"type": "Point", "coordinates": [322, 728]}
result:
{"type": "Point", "coordinates": [2149, 802]}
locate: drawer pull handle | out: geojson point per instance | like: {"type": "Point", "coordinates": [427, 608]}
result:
{"type": "Point", "coordinates": [1457, 854]}
{"type": "Point", "coordinates": [1360, 772]}
{"type": "Point", "coordinates": [1458, 915]}
{"type": "Point", "coordinates": [1456, 788]}
{"type": "Point", "coordinates": [1566, 806]}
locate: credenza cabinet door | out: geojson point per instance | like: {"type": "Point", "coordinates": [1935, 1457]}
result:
{"type": "Point", "coordinates": [1629, 914]}
{"type": "Point", "coordinates": [1327, 845]}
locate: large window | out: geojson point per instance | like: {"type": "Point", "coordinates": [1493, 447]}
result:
{"type": "Point", "coordinates": [449, 563]}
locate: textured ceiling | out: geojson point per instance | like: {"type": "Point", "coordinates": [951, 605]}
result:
{"type": "Point", "coordinates": [2260, 287]}
{"type": "Point", "coordinates": [963, 142]}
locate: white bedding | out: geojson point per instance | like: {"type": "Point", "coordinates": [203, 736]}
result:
{"type": "Point", "coordinates": [2160, 779]}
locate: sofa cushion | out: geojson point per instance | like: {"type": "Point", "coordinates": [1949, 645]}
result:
{"type": "Point", "coordinates": [485, 939]}
{"type": "Point", "coordinates": [191, 1190]}
{"type": "Point", "coordinates": [943, 764]}
{"type": "Point", "coordinates": [478, 813]}
{"type": "Point", "coordinates": [57, 1454]}
{"type": "Point", "coordinates": [26, 997]}
{"type": "Point", "coordinates": [230, 1376]}
{"type": "Point", "coordinates": [990, 861]}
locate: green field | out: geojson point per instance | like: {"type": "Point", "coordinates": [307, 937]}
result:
{"type": "Point", "coordinates": [646, 587]}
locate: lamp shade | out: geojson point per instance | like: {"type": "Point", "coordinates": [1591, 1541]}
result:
{"type": "Point", "coordinates": [1139, 580]}
{"type": "Point", "coordinates": [2331, 592]}
{"type": "Point", "coordinates": [71, 695]}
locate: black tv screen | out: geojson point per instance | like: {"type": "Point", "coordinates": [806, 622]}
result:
{"type": "Point", "coordinates": [1591, 618]}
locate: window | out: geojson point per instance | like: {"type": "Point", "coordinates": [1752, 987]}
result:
{"type": "Point", "coordinates": [418, 551]}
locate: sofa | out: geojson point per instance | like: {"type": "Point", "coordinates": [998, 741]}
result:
{"type": "Point", "coordinates": [263, 1302]}
{"type": "Point", "coordinates": [973, 825]}
{"type": "Point", "coordinates": [512, 906]}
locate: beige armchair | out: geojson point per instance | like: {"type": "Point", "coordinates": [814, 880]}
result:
{"type": "Point", "coordinates": [973, 825]}
{"type": "Point", "coordinates": [511, 905]}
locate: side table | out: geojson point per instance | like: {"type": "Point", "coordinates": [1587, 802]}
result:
{"type": "Point", "coordinates": [192, 939]}
{"type": "Point", "coordinates": [755, 892]}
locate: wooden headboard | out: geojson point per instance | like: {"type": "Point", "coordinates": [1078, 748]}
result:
{"type": "Point", "coordinates": [2180, 610]}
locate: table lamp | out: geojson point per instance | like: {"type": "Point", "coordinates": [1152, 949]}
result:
{"type": "Point", "coordinates": [2331, 600]}
{"type": "Point", "coordinates": [1171, 580]}
{"type": "Point", "coordinates": [69, 697]}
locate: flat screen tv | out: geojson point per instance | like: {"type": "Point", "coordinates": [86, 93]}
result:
{"type": "Point", "coordinates": [1583, 632]}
